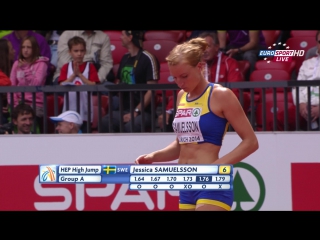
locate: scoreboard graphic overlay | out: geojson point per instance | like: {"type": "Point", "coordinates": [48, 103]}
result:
{"type": "Point", "coordinates": [143, 177]}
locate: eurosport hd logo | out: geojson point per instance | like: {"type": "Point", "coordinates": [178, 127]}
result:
{"type": "Point", "coordinates": [280, 55]}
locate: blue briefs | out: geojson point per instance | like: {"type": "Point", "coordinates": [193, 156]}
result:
{"type": "Point", "coordinates": [189, 199]}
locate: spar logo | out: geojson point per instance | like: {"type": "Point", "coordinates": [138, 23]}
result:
{"type": "Point", "coordinates": [280, 55]}
{"type": "Point", "coordinates": [196, 112]}
{"type": "Point", "coordinates": [249, 188]}
{"type": "Point", "coordinates": [188, 112]}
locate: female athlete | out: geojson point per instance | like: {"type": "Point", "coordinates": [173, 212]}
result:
{"type": "Point", "coordinates": [200, 131]}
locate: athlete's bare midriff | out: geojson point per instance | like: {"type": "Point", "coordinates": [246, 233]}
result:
{"type": "Point", "coordinates": [205, 153]}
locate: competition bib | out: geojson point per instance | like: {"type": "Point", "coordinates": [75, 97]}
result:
{"type": "Point", "coordinates": [186, 125]}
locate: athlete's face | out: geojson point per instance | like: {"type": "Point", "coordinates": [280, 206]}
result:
{"type": "Point", "coordinates": [186, 76]}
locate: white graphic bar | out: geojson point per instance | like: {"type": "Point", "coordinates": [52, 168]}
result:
{"type": "Point", "coordinates": [79, 179]}
{"type": "Point", "coordinates": [180, 186]}
{"type": "Point", "coordinates": [170, 169]}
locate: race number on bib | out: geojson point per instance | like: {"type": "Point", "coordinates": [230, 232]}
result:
{"type": "Point", "coordinates": [186, 125]}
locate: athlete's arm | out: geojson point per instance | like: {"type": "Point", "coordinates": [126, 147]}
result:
{"type": "Point", "coordinates": [231, 109]}
{"type": "Point", "coordinates": [172, 151]}
{"type": "Point", "coordinates": [167, 154]}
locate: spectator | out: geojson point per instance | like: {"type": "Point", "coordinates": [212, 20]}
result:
{"type": "Point", "coordinates": [18, 35]}
{"type": "Point", "coordinates": [68, 122]}
{"type": "Point", "coordinates": [52, 37]}
{"type": "Point", "coordinates": [197, 33]}
{"type": "Point", "coordinates": [243, 45]}
{"type": "Point", "coordinates": [30, 70]}
{"type": "Point", "coordinates": [78, 72]}
{"type": "Point", "coordinates": [6, 59]}
{"type": "Point", "coordinates": [98, 52]}
{"type": "Point", "coordinates": [23, 117]}
{"type": "Point", "coordinates": [221, 68]}
{"type": "Point", "coordinates": [309, 70]}
{"type": "Point", "coordinates": [4, 33]}
{"type": "Point", "coordinates": [313, 51]}
{"type": "Point", "coordinates": [138, 66]}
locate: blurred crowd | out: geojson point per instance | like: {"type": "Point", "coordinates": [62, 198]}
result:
{"type": "Point", "coordinates": [112, 57]}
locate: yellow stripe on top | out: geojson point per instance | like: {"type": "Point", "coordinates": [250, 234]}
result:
{"type": "Point", "coordinates": [194, 122]}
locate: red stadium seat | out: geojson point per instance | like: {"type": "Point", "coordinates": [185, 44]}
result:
{"type": "Point", "coordinates": [104, 102]}
{"type": "Point", "coordinates": [159, 48]}
{"type": "Point", "coordinates": [113, 35]}
{"type": "Point", "coordinates": [271, 36]}
{"type": "Point", "coordinates": [94, 124]}
{"type": "Point", "coordinates": [300, 43]}
{"type": "Point", "coordinates": [244, 66]}
{"type": "Point", "coordinates": [303, 33]}
{"type": "Point", "coordinates": [117, 51]}
{"type": "Point", "coordinates": [175, 36]}
{"type": "Point", "coordinates": [268, 75]}
{"type": "Point", "coordinates": [286, 66]}
{"type": "Point", "coordinates": [182, 36]}
{"type": "Point", "coordinates": [104, 110]}
{"type": "Point", "coordinates": [188, 34]}
{"type": "Point", "coordinates": [270, 111]}
{"type": "Point", "coordinates": [165, 78]}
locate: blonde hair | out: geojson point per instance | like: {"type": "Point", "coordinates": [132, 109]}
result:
{"type": "Point", "coordinates": [190, 52]}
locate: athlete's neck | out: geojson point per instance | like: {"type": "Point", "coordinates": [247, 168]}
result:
{"type": "Point", "coordinates": [198, 90]}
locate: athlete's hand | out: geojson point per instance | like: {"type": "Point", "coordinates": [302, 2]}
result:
{"type": "Point", "coordinates": [144, 159]}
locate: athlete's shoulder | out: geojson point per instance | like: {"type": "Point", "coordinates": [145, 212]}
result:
{"type": "Point", "coordinates": [221, 92]}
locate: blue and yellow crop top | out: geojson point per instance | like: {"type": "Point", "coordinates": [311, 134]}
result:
{"type": "Point", "coordinates": [194, 122]}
